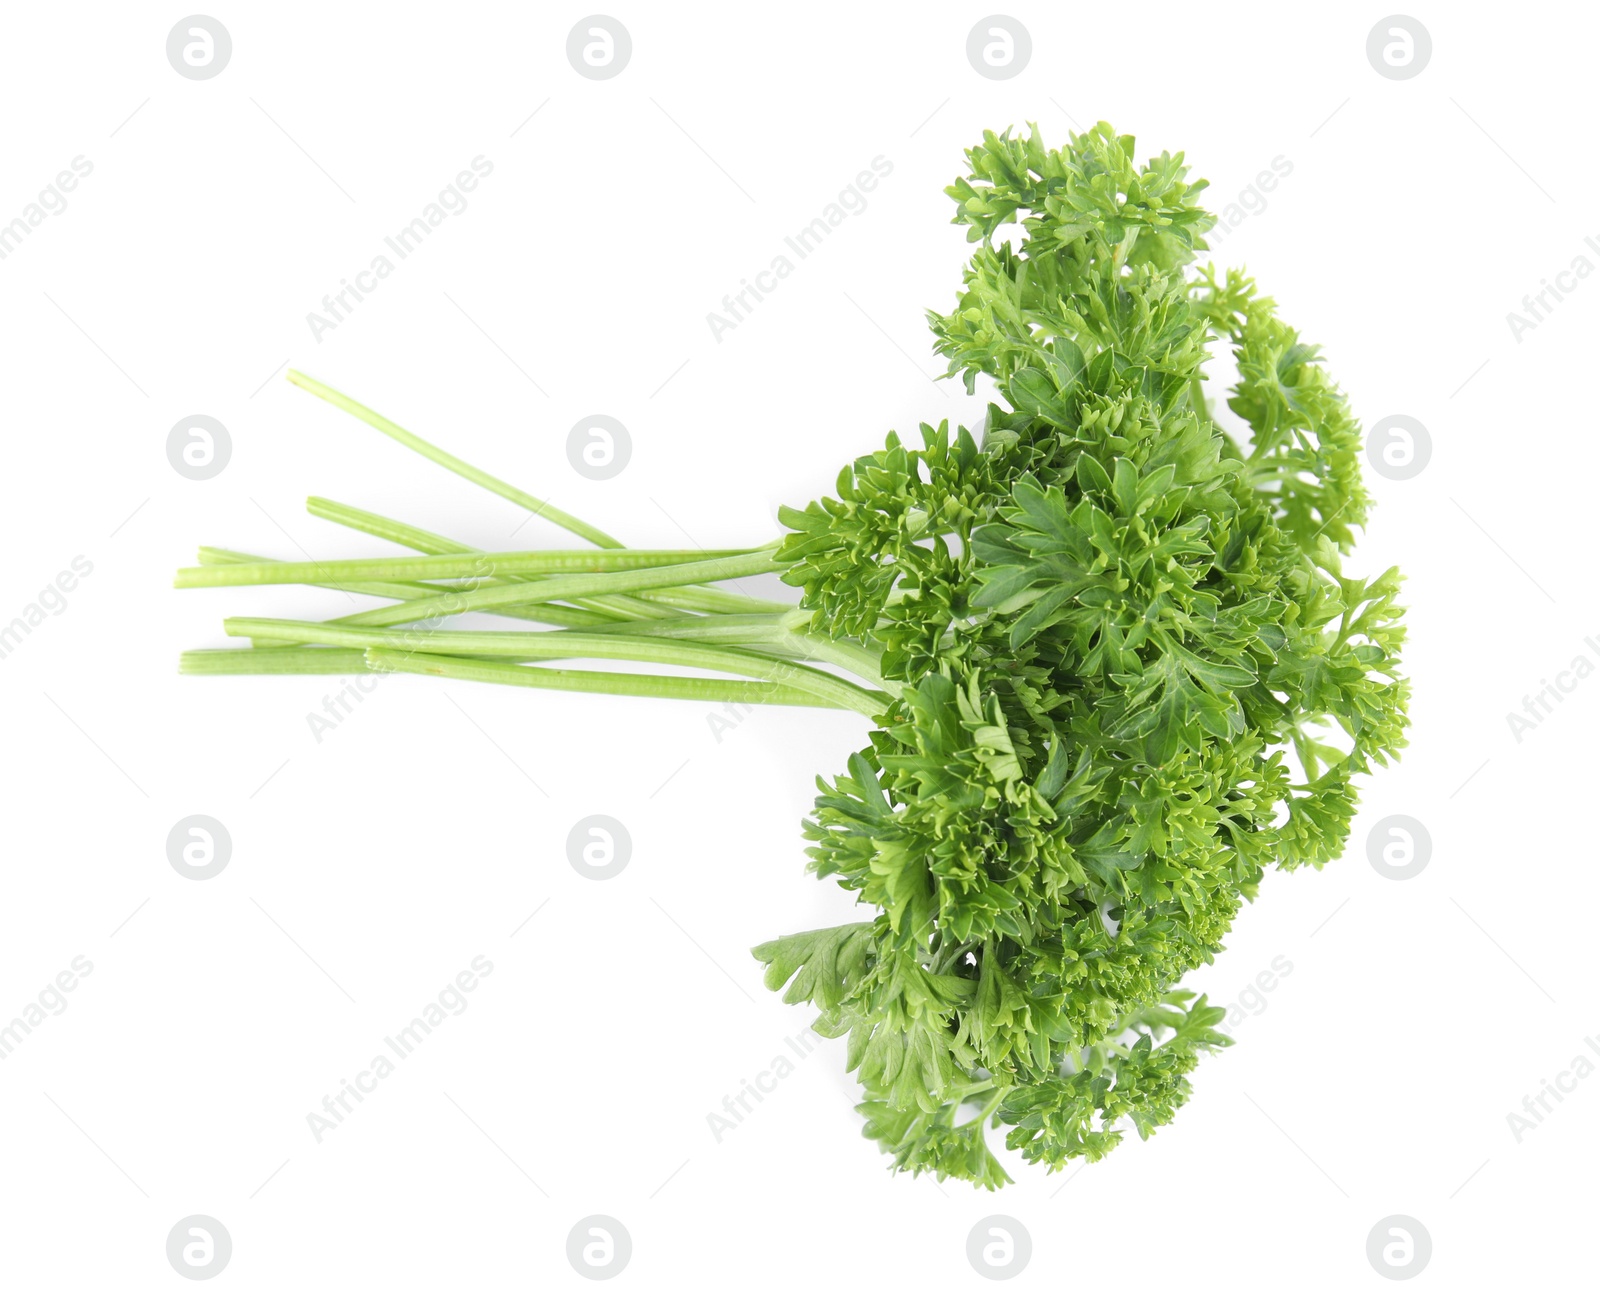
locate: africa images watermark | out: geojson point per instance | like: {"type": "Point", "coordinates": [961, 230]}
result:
{"type": "Point", "coordinates": [450, 1002]}
{"type": "Point", "coordinates": [451, 201]}
{"type": "Point", "coordinates": [1541, 706]}
{"type": "Point", "coordinates": [1537, 307]}
{"type": "Point", "coordinates": [1539, 1105]}
{"type": "Point", "coordinates": [851, 201]}
{"type": "Point", "coordinates": [51, 1000]}
{"type": "Point", "coordinates": [739, 1105]}
{"type": "Point", "coordinates": [51, 600]}
{"type": "Point", "coordinates": [1252, 1000]}
{"type": "Point", "coordinates": [52, 201]}
{"type": "Point", "coordinates": [339, 707]}
{"type": "Point", "coordinates": [733, 715]}
{"type": "Point", "coordinates": [1251, 201]}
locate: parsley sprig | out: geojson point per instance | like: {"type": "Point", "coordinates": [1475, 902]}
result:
{"type": "Point", "coordinates": [1113, 663]}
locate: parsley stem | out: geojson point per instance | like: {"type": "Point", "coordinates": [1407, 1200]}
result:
{"type": "Point", "coordinates": [773, 633]}
{"type": "Point", "coordinates": [522, 646]}
{"type": "Point", "coordinates": [718, 628]}
{"type": "Point", "coordinates": [376, 524]}
{"type": "Point", "coordinates": [695, 688]}
{"type": "Point", "coordinates": [428, 542]}
{"type": "Point", "coordinates": [853, 657]}
{"type": "Point", "coordinates": [989, 1109]}
{"type": "Point", "coordinates": [273, 661]}
{"type": "Point", "coordinates": [210, 556]}
{"type": "Point", "coordinates": [488, 597]}
{"type": "Point", "coordinates": [706, 599]}
{"type": "Point", "coordinates": [460, 467]}
{"type": "Point", "coordinates": [548, 614]}
{"type": "Point", "coordinates": [478, 564]}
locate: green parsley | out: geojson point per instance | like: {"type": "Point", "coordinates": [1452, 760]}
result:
{"type": "Point", "coordinates": [1113, 663]}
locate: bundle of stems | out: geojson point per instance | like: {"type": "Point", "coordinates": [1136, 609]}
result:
{"type": "Point", "coordinates": [664, 607]}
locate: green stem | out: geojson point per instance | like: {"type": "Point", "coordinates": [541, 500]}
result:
{"type": "Point", "coordinates": [859, 661]}
{"type": "Point", "coordinates": [990, 1108]}
{"type": "Point", "coordinates": [782, 633]}
{"type": "Point", "coordinates": [427, 542]}
{"type": "Point", "coordinates": [619, 609]}
{"type": "Point", "coordinates": [523, 646]}
{"type": "Point", "coordinates": [375, 524]}
{"type": "Point", "coordinates": [718, 628]}
{"type": "Point", "coordinates": [480, 565]}
{"type": "Point", "coordinates": [547, 614]}
{"type": "Point", "coordinates": [488, 597]}
{"type": "Point", "coordinates": [273, 661]}
{"type": "Point", "coordinates": [458, 466]}
{"type": "Point", "coordinates": [963, 1093]}
{"type": "Point", "coordinates": [700, 599]}
{"type": "Point", "coordinates": [696, 688]}
{"type": "Point", "coordinates": [773, 633]}
{"type": "Point", "coordinates": [211, 556]}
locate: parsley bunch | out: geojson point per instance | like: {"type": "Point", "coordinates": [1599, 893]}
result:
{"type": "Point", "coordinates": [1113, 663]}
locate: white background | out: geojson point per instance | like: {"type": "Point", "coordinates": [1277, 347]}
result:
{"type": "Point", "coordinates": [369, 868]}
